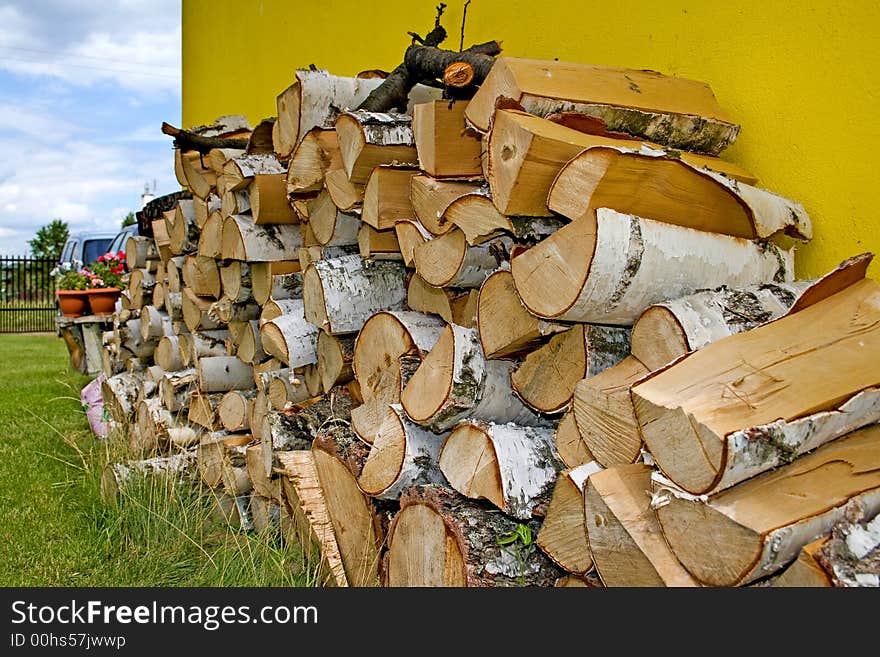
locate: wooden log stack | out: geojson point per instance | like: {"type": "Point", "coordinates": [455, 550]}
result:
{"type": "Point", "coordinates": [539, 334]}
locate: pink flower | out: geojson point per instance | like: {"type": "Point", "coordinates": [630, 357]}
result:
{"type": "Point", "coordinates": [97, 282]}
{"type": "Point", "coordinates": [100, 258]}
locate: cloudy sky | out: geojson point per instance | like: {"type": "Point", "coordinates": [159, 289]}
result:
{"type": "Point", "coordinates": [84, 88]}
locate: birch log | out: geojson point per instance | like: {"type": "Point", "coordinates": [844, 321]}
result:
{"type": "Point", "coordinates": [154, 324]}
{"type": "Point", "coordinates": [183, 233]}
{"type": "Point", "coordinates": [546, 378]}
{"type": "Point", "coordinates": [233, 410]}
{"type": "Point", "coordinates": [512, 467]}
{"type": "Point", "coordinates": [378, 244]}
{"type": "Point", "coordinates": [335, 354]}
{"type": "Point", "coordinates": [409, 235]}
{"type": "Point", "coordinates": [119, 393]}
{"type": "Point", "coordinates": [240, 170]}
{"type": "Point", "coordinates": [202, 343]}
{"type": "Point", "coordinates": [386, 197]}
{"type": "Point", "coordinates": [563, 535]}
{"type": "Point", "coordinates": [175, 389]}
{"type": "Point", "coordinates": [754, 529]}
{"type": "Point", "coordinates": [618, 265]}
{"type": "Point", "coordinates": [441, 538]}
{"type": "Point", "coordinates": [570, 446]}
{"type": "Point", "coordinates": [268, 200]}
{"type": "Point", "coordinates": [505, 326]}
{"type": "Point", "coordinates": [285, 385]}
{"type": "Point", "coordinates": [403, 455]}
{"type": "Point", "coordinates": [675, 111]}
{"type": "Point", "coordinates": [291, 339]}
{"type": "Point", "coordinates": [211, 235]}
{"type": "Point", "coordinates": [430, 198]}
{"type": "Point", "coordinates": [196, 313]}
{"type": "Point", "coordinates": [138, 250]}
{"type": "Point", "coordinates": [734, 409]}
{"type": "Point", "coordinates": [448, 260]}
{"type": "Point", "coordinates": [202, 275]}
{"type": "Point", "coordinates": [116, 476]}
{"type": "Point", "coordinates": [244, 240]}
{"type": "Point", "coordinates": [340, 294]}
{"type": "Point", "coordinates": [236, 281]}
{"type": "Point", "coordinates": [672, 190]}
{"type": "Point", "coordinates": [447, 148]}
{"type": "Point", "coordinates": [277, 286]}
{"type": "Point", "coordinates": [250, 346]}
{"type": "Point", "coordinates": [625, 538]}
{"type": "Point", "coordinates": [331, 226]}
{"type": "Point", "coordinates": [455, 381]}
{"type": "Point", "coordinates": [370, 139]}
{"type": "Point", "coordinates": [224, 373]}
{"type": "Point", "coordinates": [317, 153]}
{"type": "Point", "coordinates": [167, 354]}
{"type": "Point", "coordinates": [453, 305]}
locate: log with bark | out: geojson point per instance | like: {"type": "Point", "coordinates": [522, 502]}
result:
{"type": "Point", "coordinates": [563, 535]}
{"type": "Point", "coordinates": [441, 538]}
{"type": "Point", "coordinates": [511, 466]}
{"type": "Point", "coordinates": [115, 477]}
{"type": "Point", "coordinates": [335, 355]}
{"type": "Point", "coordinates": [224, 373]}
{"type": "Point", "coordinates": [183, 233]}
{"type": "Point", "coordinates": [268, 200]}
{"type": "Point", "coordinates": [431, 197]}
{"type": "Point", "coordinates": [196, 312]}
{"type": "Point", "coordinates": [625, 539]}
{"type": "Point", "coordinates": [317, 153]}
{"type": "Point", "coordinates": [139, 250]}
{"type": "Point", "coordinates": [266, 286]}
{"type": "Point", "coordinates": [233, 410]}
{"type": "Point", "coordinates": [370, 139]}
{"type": "Point", "coordinates": [244, 240]}
{"type": "Point", "coordinates": [674, 111]}
{"type": "Point", "coordinates": [448, 260]}
{"type": "Point", "coordinates": [456, 306]}
{"type": "Point", "coordinates": [735, 409]}
{"type": "Point", "coordinates": [340, 294]}
{"type": "Point", "coordinates": [290, 338]}
{"type": "Point", "coordinates": [266, 484]}
{"type": "Point", "coordinates": [346, 195]}
{"type": "Point", "coordinates": [235, 277]}
{"type": "Point", "coordinates": [617, 265]}
{"type": "Point", "coordinates": [409, 235]}
{"type": "Point", "coordinates": [202, 275]}
{"type": "Point", "coordinates": [119, 393]}
{"type": "Point", "coordinates": [446, 146]}
{"type": "Point", "coordinates": [329, 225]}
{"type": "Point", "coordinates": [386, 197]}
{"type": "Point", "coordinates": [754, 529]}
{"type": "Point", "coordinates": [175, 389]}
{"type": "Point", "coordinates": [240, 171]}
{"type": "Point", "coordinates": [378, 244]}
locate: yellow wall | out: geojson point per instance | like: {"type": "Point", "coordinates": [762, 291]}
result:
{"type": "Point", "coordinates": [800, 77]}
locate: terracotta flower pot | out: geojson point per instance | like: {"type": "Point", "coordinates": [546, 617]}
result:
{"type": "Point", "coordinates": [73, 303]}
{"type": "Point", "coordinates": [103, 299]}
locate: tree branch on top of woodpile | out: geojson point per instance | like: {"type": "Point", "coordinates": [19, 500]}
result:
{"type": "Point", "coordinates": [188, 141]}
{"type": "Point", "coordinates": [425, 63]}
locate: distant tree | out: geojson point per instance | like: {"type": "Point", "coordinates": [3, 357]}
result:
{"type": "Point", "coordinates": [50, 240]}
{"type": "Point", "coordinates": [129, 220]}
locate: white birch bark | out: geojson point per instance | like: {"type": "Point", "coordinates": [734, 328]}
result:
{"type": "Point", "coordinates": [353, 290]}
{"type": "Point", "coordinates": [638, 262]}
{"type": "Point", "coordinates": [154, 324]}
{"type": "Point", "coordinates": [176, 387]}
{"type": "Point", "coordinates": [286, 286]}
{"type": "Point", "coordinates": [300, 338]}
{"type": "Point", "coordinates": [224, 373]}
{"type": "Point", "coordinates": [345, 230]}
{"type": "Point", "coordinates": [244, 240]}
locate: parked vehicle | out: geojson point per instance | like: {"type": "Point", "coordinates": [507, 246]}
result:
{"type": "Point", "coordinates": [84, 247]}
{"type": "Point", "coordinates": [118, 243]}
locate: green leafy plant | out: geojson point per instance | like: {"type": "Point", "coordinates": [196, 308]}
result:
{"type": "Point", "coordinates": [70, 279]}
{"type": "Point", "coordinates": [520, 544]}
{"type": "Point", "coordinates": [106, 271]}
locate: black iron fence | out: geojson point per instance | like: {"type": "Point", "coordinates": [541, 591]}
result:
{"type": "Point", "coordinates": [27, 294]}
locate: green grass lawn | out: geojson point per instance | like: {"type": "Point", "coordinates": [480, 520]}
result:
{"type": "Point", "coordinates": [56, 531]}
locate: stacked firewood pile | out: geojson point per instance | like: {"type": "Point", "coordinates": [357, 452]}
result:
{"type": "Point", "coordinates": [537, 334]}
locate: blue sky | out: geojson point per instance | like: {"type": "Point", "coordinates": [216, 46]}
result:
{"type": "Point", "coordinates": [84, 88]}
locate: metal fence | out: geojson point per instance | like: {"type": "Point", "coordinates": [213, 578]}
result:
{"type": "Point", "coordinates": [27, 294]}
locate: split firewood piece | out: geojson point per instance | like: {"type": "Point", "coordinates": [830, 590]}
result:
{"type": "Point", "coordinates": [316, 154]}
{"type": "Point", "coordinates": [409, 235]}
{"type": "Point", "coordinates": [351, 513]}
{"type": "Point", "coordinates": [403, 455]}
{"type": "Point", "coordinates": [346, 195]}
{"type": "Point", "coordinates": [370, 139]}
{"type": "Point", "coordinates": [266, 286]}
{"type": "Point", "coordinates": [201, 180]}
{"type": "Point", "coordinates": [570, 445]}
{"type": "Point", "coordinates": [140, 287]}
{"type": "Point", "coordinates": [806, 570]}
{"type": "Point", "coordinates": [139, 250]}
{"type": "Point", "coordinates": [378, 244]}
{"type": "Point", "coordinates": [734, 409]}
{"type": "Point", "coordinates": [310, 254]}
{"type": "Point", "coordinates": [240, 171]}
{"type": "Point", "coordinates": [386, 197]}
{"type": "Point", "coordinates": [183, 233]}
{"type": "Point", "coordinates": [204, 207]}
{"type": "Point", "coordinates": [455, 381]}
{"type": "Point", "coordinates": [625, 537]}
{"type": "Point", "coordinates": [441, 538]}
{"type": "Point", "coordinates": [304, 496]}
{"type": "Point", "coordinates": [335, 355]}
{"type": "Point", "coordinates": [167, 354]}
{"type": "Point", "coordinates": [212, 452]}
{"type": "Point", "coordinates": [237, 202]}
{"type": "Point", "coordinates": [454, 306]}
{"type": "Point", "coordinates": [250, 345]}
{"type": "Point", "coordinates": [266, 514]}
{"type": "Point", "coordinates": [330, 226]}
{"type": "Point", "coordinates": [604, 414]}
{"type": "Point", "coordinates": [196, 312]}
{"type": "Point", "coordinates": [116, 476]}
{"type": "Point", "coordinates": [224, 373]}
{"type": "Point", "coordinates": [448, 260]}
{"type": "Point", "coordinates": [546, 378]}
{"type": "Point", "coordinates": [576, 581]}
{"type": "Point", "coordinates": [430, 198]}
{"type": "Point", "coordinates": [173, 273]}
{"type": "Point", "coordinates": [340, 294]}
{"type": "Point", "coordinates": [160, 235]}
{"type": "Point", "coordinates": [235, 277]}
{"type": "Point", "coordinates": [154, 324]}
{"type": "Point", "coordinates": [268, 200]}
{"type": "Point", "coordinates": [291, 338]}
{"type": "Point", "coordinates": [447, 146]}
{"type": "Point", "coordinates": [367, 418]}
{"type": "Point", "coordinates": [672, 190]}
{"type": "Point", "coordinates": [754, 529]}
{"type": "Point", "coordinates": [244, 240]}
{"type": "Point", "coordinates": [202, 275]}
{"type": "Point", "coordinates": [386, 337]}
{"type": "Point", "coordinates": [505, 326]}
{"type": "Point", "coordinates": [158, 300]}
{"type": "Point", "coordinates": [231, 313]}
{"type": "Point", "coordinates": [274, 308]}
{"type": "Point", "coordinates": [203, 409]}
{"type": "Point", "coordinates": [313, 101]}
{"type": "Point", "coordinates": [672, 328]}
{"type": "Point", "coordinates": [202, 343]}
{"type": "Point", "coordinates": [678, 112]}
{"type": "Point", "coordinates": [131, 340]}
{"type": "Point", "coordinates": [285, 385]}
{"type": "Point", "coordinates": [233, 410]}
{"type": "Point", "coordinates": [163, 428]}
{"type": "Point", "coordinates": [478, 218]}
{"type": "Point", "coordinates": [234, 475]}
{"type": "Point", "coordinates": [513, 467]}
{"type": "Point", "coordinates": [563, 535]}
{"type": "Point", "coordinates": [119, 393]}
{"type": "Point", "coordinates": [229, 511]}
{"type": "Point", "coordinates": [616, 265]}
{"type": "Point", "coordinates": [176, 387]}
{"type": "Point", "coordinates": [525, 153]}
